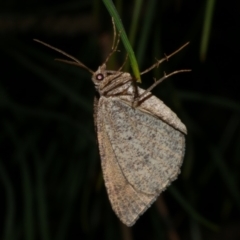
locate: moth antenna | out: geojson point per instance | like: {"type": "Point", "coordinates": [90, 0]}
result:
{"type": "Point", "coordinates": [74, 64]}
{"type": "Point", "coordinates": [75, 61]}
{"type": "Point", "coordinates": [164, 59]}
{"type": "Point", "coordinates": [114, 48]}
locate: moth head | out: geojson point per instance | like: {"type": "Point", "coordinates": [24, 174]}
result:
{"type": "Point", "coordinates": [100, 75]}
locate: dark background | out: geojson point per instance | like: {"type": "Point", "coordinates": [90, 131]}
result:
{"type": "Point", "coordinates": [50, 174]}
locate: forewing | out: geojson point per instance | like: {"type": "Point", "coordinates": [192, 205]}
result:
{"type": "Point", "coordinates": [127, 202]}
{"type": "Point", "coordinates": [148, 150]}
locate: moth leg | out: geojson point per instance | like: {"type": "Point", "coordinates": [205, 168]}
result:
{"type": "Point", "coordinates": [164, 59]}
{"type": "Point", "coordinates": [148, 90]}
{"type": "Point", "coordinates": [126, 58]}
{"type": "Point", "coordinates": [135, 93]}
{"type": "Point", "coordinates": [114, 33]}
{"type": "Point", "coordinates": [113, 85]}
{"type": "Point", "coordinates": [115, 75]}
{"type": "Point", "coordinates": [119, 70]}
{"type": "Point", "coordinates": [114, 46]}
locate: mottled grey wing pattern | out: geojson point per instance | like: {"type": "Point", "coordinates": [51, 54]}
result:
{"type": "Point", "coordinates": [127, 202]}
{"type": "Point", "coordinates": [145, 153]}
{"type": "Point", "coordinates": [148, 150]}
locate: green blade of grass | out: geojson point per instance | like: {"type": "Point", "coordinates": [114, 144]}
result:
{"type": "Point", "coordinates": [206, 28]}
{"type": "Point", "coordinates": [134, 25]}
{"type": "Point", "coordinates": [113, 12]}
{"type": "Point", "coordinates": [145, 30]}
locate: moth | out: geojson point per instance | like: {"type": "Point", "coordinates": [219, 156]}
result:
{"type": "Point", "coordinates": [141, 141]}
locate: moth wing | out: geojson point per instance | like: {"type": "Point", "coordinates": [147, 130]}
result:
{"type": "Point", "coordinates": [127, 202]}
{"type": "Point", "coordinates": [148, 150]}
{"type": "Point", "coordinates": [156, 107]}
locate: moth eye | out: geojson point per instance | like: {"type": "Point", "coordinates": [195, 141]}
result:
{"type": "Point", "coordinates": [99, 77]}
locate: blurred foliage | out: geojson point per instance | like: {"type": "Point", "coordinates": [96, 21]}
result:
{"type": "Point", "coordinates": [50, 174]}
